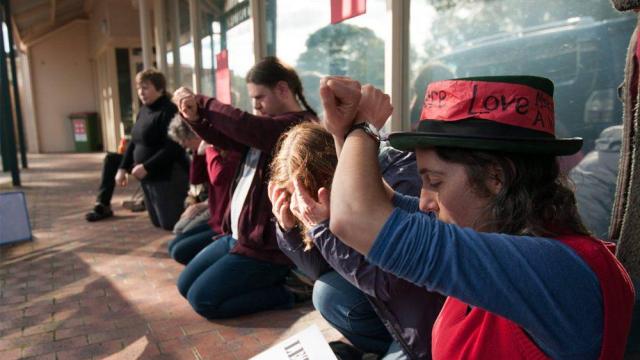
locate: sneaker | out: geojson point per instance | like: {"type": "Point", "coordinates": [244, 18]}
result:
{"type": "Point", "coordinates": [134, 205]}
{"type": "Point", "coordinates": [301, 290]}
{"type": "Point", "coordinates": [99, 212]}
{"type": "Point", "coordinates": [344, 351]}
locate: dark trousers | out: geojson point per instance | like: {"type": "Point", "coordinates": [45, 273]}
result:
{"type": "Point", "coordinates": [188, 244]}
{"type": "Point", "coordinates": [222, 285]}
{"type": "Point", "coordinates": [349, 311]}
{"type": "Point", "coordinates": [164, 199]}
{"type": "Point", "coordinates": [107, 181]}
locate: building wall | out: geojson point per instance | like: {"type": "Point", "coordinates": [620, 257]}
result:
{"type": "Point", "coordinates": [63, 83]}
{"type": "Point", "coordinates": [113, 24]}
{"type": "Point", "coordinates": [124, 20]}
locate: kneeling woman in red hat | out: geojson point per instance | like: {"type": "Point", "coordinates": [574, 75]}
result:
{"type": "Point", "coordinates": [496, 227]}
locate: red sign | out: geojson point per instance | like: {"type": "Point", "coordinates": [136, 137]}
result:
{"type": "Point", "coordinates": [512, 104]}
{"type": "Point", "coordinates": [223, 77]}
{"type": "Point", "coordinates": [345, 9]}
{"type": "Point", "coordinates": [79, 130]}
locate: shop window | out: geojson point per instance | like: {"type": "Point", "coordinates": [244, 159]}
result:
{"type": "Point", "coordinates": [579, 44]}
{"type": "Point", "coordinates": [306, 40]}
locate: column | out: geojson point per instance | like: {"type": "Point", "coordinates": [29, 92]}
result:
{"type": "Point", "coordinates": [145, 34]}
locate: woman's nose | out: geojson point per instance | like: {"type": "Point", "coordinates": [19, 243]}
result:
{"type": "Point", "coordinates": [428, 201]}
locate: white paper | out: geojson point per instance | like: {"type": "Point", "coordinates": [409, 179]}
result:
{"type": "Point", "coordinates": [309, 344]}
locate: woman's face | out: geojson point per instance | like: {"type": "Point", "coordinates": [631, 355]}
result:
{"type": "Point", "coordinates": [446, 191]}
{"type": "Point", "coordinates": [147, 93]}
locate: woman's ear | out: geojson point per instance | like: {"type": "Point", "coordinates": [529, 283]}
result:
{"type": "Point", "coordinates": [495, 180]}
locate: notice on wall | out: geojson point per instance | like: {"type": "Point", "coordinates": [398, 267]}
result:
{"type": "Point", "coordinates": [345, 9]}
{"type": "Point", "coordinates": [79, 130]}
{"type": "Point", "coordinates": [223, 77]}
{"type": "Point", "coordinates": [309, 344]}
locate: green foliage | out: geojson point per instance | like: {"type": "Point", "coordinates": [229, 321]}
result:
{"type": "Point", "coordinates": [340, 49]}
{"type": "Point", "coordinates": [460, 21]}
{"type": "Point", "coordinates": [344, 49]}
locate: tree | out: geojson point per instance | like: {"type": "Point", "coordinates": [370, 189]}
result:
{"type": "Point", "coordinates": [461, 21]}
{"type": "Point", "coordinates": [344, 49]}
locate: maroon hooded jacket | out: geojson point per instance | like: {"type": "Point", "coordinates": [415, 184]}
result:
{"type": "Point", "coordinates": [230, 128]}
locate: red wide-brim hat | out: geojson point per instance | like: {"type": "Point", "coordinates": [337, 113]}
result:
{"type": "Point", "coordinates": [494, 113]}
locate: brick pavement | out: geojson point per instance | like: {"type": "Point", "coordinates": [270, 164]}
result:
{"type": "Point", "coordinates": [107, 289]}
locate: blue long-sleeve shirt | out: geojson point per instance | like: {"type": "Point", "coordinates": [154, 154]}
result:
{"type": "Point", "coordinates": [522, 278]}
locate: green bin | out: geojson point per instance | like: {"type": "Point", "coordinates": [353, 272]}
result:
{"type": "Point", "coordinates": [86, 131]}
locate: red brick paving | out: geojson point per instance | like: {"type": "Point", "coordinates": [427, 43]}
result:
{"type": "Point", "coordinates": [107, 289]}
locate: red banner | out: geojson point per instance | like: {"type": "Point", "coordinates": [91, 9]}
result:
{"type": "Point", "coordinates": [506, 103]}
{"type": "Point", "coordinates": [345, 9]}
{"type": "Point", "coordinates": [223, 77]}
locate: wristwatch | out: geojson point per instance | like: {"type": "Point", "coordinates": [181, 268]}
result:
{"type": "Point", "coordinates": [367, 128]}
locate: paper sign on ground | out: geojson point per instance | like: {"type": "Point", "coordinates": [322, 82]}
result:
{"type": "Point", "coordinates": [309, 344]}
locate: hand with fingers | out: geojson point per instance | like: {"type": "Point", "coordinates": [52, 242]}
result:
{"type": "Point", "coordinates": [309, 211]}
{"type": "Point", "coordinates": [340, 100]}
{"type": "Point", "coordinates": [280, 205]}
{"type": "Point", "coordinates": [375, 106]}
{"type": "Point", "coordinates": [121, 178]}
{"type": "Point", "coordinates": [185, 100]}
{"type": "Point", "coordinates": [139, 172]}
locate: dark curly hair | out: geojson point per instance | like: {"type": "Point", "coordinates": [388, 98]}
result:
{"type": "Point", "coordinates": [535, 198]}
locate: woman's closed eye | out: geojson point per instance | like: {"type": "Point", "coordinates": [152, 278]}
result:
{"type": "Point", "coordinates": [433, 185]}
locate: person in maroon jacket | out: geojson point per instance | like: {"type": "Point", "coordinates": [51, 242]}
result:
{"type": "Point", "coordinates": [214, 167]}
{"type": "Point", "coordinates": [243, 270]}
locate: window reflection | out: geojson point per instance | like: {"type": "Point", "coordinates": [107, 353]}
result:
{"type": "Point", "coordinates": [241, 59]}
{"type": "Point", "coordinates": [306, 40]}
{"type": "Point", "coordinates": [579, 44]}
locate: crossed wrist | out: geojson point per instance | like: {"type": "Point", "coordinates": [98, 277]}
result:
{"type": "Point", "coordinates": [367, 128]}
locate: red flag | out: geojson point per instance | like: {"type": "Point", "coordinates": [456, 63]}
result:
{"type": "Point", "coordinates": [345, 9]}
{"type": "Point", "coordinates": [223, 77]}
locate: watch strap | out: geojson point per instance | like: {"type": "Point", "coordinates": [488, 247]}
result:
{"type": "Point", "coordinates": [366, 127]}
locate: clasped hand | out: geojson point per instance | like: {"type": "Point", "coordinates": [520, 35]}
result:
{"type": "Point", "coordinates": [346, 102]}
{"type": "Point", "coordinates": [185, 100]}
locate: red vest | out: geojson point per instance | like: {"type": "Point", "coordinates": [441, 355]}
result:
{"type": "Point", "coordinates": [484, 335]}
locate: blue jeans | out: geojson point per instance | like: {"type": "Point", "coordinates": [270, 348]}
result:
{"type": "Point", "coordinates": [188, 244]}
{"type": "Point", "coordinates": [222, 285]}
{"type": "Point", "coordinates": [346, 308]}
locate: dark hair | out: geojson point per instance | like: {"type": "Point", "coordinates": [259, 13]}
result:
{"type": "Point", "coordinates": [155, 77]}
{"type": "Point", "coordinates": [270, 71]}
{"type": "Point", "coordinates": [535, 198]}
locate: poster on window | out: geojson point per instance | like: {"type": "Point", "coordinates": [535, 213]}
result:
{"type": "Point", "coordinates": [346, 9]}
{"type": "Point", "coordinates": [309, 344]}
{"type": "Point", "coordinates": [223, 77]}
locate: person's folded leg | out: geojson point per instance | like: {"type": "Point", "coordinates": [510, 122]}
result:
{"type": "Point", "coordinates": [202, 261]}
{"type": "Point", "coordinates": [346, 308]}
{"type": "Point", "coordinates": [187, 245]}
{"type": "Point", "coordinates": [237, 285]}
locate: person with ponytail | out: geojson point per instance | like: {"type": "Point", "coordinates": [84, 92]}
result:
{"type": "Point", "coordinates": [243, 270]}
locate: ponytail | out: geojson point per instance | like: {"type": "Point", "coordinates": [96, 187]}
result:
{"type": "Point", "coordinates": [270, 70]}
